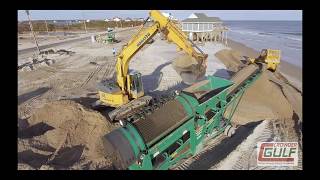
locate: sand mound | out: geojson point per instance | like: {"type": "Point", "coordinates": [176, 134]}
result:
{"type": "Point", "coordinates": [263, 100]}
{"type": "Point", "coordinates": [184, 61]}
{"type": "Point", "coordinates": [74, 132]}
{"type": "Point", "coordinates": [230, 58]}
{"type": "Point", "coordinates": [188, 68]}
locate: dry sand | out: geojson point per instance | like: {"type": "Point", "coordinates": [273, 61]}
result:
{"type": "Point", "coordinates": [59, 130]}
{"type": "Point", "coordinates": [70, 133]}
{"type": "Point", "coordinates": [272, 97]}
{"type": "Point", "coordinates": [265, 99]}
{"type": "Point", "coordinates": [154, 61]}
{"type": "Point", "coordinates": [63, 135]}
{"type": "Point", "coordinates": [270, 110]}
{"type": "Point", "coordinates": [26, 40]}
{"type": "Point", "coordinates": [288, 77]}
{"type": "Point", "coordinates": [231, 59]}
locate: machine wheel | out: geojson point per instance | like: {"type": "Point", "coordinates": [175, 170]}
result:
{"type": "Point", "coordinates": [229, 131]}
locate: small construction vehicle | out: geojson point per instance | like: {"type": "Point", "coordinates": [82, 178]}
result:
{"type": "Point", "coordinates": [107, 38]}
{"type": "Point", "coordinates": [268, 56]}
{"type": "Point", "coordinates": [111, 35]}
{"type": "Point", "coordinates": [128, 85]}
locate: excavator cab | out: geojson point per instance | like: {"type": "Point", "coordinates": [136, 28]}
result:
{"type": "Point", "coordinates": [135, 84]}
{"type": "Point", "coordinates": [111, 95]}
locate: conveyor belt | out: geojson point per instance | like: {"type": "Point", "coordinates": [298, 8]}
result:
{"type": "Point", "coordinates": [193, 89]}
{"type": "Point", "coordinates": [241, 76]}
{"type": "Point", "coordinates": [161, 121]}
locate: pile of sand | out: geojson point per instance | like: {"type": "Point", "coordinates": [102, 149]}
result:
{"type": "Point", "coordinates": [188, 68]}
{"type": "Point", "coordinates": [184, 61]}
{"type": "Point", "coordinates": [262, 100]}
{"type": "Point", "coordinates": [270, 97]}
{"type": "Point", "coordinates": [230, 58]}
{"type": "Point", "coordinates": [72, 132]}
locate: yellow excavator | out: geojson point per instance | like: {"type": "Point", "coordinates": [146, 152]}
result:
{"type": "Point", "coordinates": [270, 57]}
{"type": "Point", "coordinates": [126, 93]}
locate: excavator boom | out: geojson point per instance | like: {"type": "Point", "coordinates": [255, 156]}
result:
{"type": "Point", "coordinates": [171, 32]}
{"type": "Point", "coordinates": [128, 85]}
{"type": "Point", "coordinates": [129, 50]}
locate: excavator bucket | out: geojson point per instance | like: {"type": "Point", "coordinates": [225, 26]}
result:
{"type": "Point", "coordinates": [189, 69]}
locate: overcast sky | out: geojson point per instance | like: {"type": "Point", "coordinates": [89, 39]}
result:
{"type": "Point", "coordinates": [179, 14]}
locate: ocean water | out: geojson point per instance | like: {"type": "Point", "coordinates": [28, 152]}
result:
{"type": "Point", "coordinates": [283, 35]}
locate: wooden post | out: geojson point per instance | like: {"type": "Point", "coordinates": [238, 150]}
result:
{"type": "Point", "coordinates": [31, 28]}
{"type": "Point", "coordinates": [84, 21]}
{"type": "Point", "coordinates": [226, 39]}
{"type": "Point", "coordinates": [68, 26]}
{"type": "Point", "coordinates": [222, 36]}
{"type": "Point", "coordinates": [47, 27]}
{"type": "Point", "coordinates": [85, 26]}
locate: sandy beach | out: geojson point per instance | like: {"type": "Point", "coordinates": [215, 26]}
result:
{"type": "Point", "coordinates": [55, 119]}
{"type": "Point", "coordinates": [275, 98]}
{"type": "Point", "coordinates": [288, 78]}
{"type": "Point", "coordinates": [291, 72]}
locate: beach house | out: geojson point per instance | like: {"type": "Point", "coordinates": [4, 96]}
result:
{"type": "Point", "coordinates": [200, 27]}
{"type": "Point", "coordinates": [117, 19]}
{"type": "Point", "coordinates": [128, 19]}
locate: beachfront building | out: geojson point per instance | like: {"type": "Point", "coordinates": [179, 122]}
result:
{"type": "Point", "coordinates": [117, 19]}
{"type": "Point", "coordinates": [128, 19]}
{"type": "Point", "coordinates": [200, 27]}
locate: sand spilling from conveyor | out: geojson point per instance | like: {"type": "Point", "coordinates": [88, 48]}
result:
{"type": "Point", "coordinates": [262, 100]}
{"type": "Point", "coordinates": [76, 131]}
